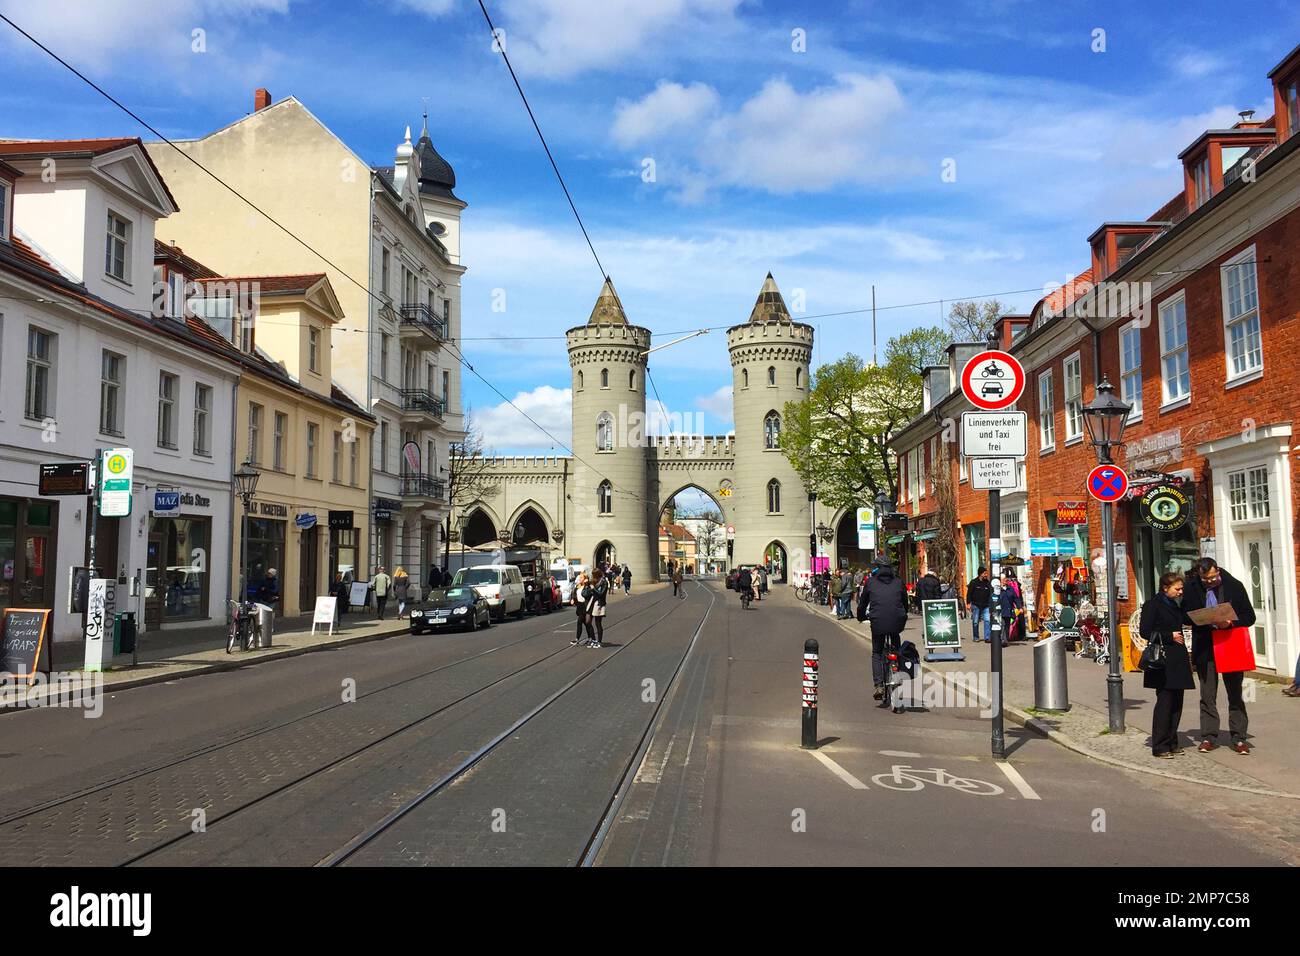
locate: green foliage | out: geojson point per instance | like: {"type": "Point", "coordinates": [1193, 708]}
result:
{"type": "Point", "coordinates": [973, 321]}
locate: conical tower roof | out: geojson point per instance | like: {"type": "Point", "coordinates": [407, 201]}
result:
{"type": "Point", "coordinates": [608, 309]}
{"type": "Point", "coordinates": [769, 307]}
{"type": "Point", "coordinates": [436, 175]}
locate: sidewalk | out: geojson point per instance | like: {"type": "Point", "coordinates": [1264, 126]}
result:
{"type": "Point", "coordinates": [1272, 769]}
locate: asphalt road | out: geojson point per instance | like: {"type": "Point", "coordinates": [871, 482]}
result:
{"type": "Point", "coordinates": [509, 747]}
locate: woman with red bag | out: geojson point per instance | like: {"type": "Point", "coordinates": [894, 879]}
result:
{"type": "Point", "coordinates": [1162, 624]}
{"type": "Point", "coordinates": [1209, 586]}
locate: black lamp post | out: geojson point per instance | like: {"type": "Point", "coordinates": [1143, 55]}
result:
{"type": "Point", "coordinates": [245, 479]}
{"type": "Point", "coordinates": [884, 504]}
{"type": "Point", "coordinates": [812, 534]}
{"type": "Point", "coordinates": [1105, 417]}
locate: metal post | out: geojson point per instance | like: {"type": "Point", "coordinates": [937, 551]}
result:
{"type": "Point", "coordinates": [1114, 679]}
{"type": "Point", "coordinates": [243, 557]}
{"type": "Point", "coordinates": [995, 631]}
{"type": "Point", "coordinates": [809, 695]}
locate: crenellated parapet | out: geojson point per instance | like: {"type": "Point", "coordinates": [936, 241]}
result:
{"type": "Point", "coordinates": [503, 465]}
{"type": "Point", "coordinates": [668, 447]}
{"type": "Point", "coordinates": [770, 340]}
{"type": "Point", "coordinates": [607, 345]}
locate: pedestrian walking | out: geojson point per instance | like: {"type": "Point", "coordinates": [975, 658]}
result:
{"type": "Point", "coordinates": [886, 609]}
{"type": "Point", "coordinates": [929, 588]}
{"type": "Point", "coordinates": [1294, 689]}
{"type": "Point", "coordinates": [1162, 622]}
{"type": "Point", "coordinates": [841, 592]}
{"type": "Point", "coordinates": [435, 578]}
{"type": "Point", "coordinates": [1010, 604]}
{"type": "Point", "coordinates": [1208, 585]}
{"type": "Point", "coordinates": [383, 585]}
{"type": "Point", "coordinates": [627, 579]}
{"type": "Point", "coordinates": [979, 596]}
{"type": "Point", "coordinates": [401, 590]}
{"type": "Point", "coordinates": [340, 592]}
{"type": "Point", "coordinates": [598, 592]}
{"type": "Point", "coordinates": [677, 581]}
{"type": "Point", "coordinates": [580, 597]}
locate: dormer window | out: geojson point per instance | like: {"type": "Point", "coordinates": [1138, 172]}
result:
{"type": "Point", "coordinates": [1286, 95]}
{"type": "Point", "coordinates": [1220, 157]}
{"type": "Point", "coordinates": [117, 248]}
{"type": "Point", "coordinates": [5, 204]}
{"type": "Point", "coordinates": [1114, 243]}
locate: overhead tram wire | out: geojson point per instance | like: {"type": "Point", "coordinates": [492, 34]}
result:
{"type": "Point", "coordinates": [288, 232]}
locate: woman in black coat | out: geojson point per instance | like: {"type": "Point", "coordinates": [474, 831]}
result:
{"type": "Point", "coordinates": [1162, 623]}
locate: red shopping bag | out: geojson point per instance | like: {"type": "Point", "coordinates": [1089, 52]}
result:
{"type": "Point", "coordinates": [1233, 651]}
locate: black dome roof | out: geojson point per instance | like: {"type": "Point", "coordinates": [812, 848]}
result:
{"type": "Point", "coordinates": [436, 175]}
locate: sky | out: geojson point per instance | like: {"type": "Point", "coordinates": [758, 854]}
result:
{"type": "Point", "coordinates": [935, 151]}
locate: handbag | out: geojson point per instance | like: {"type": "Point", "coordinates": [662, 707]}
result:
{"type": "Point", "coordinates": [1153, 657]}
{"type": "Point", "coordinates": [1233, 651]}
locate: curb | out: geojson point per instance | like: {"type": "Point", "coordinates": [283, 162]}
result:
{"type": "Point", "coordinates": [1028, 721]}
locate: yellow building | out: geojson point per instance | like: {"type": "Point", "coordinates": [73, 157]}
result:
{"type": "Point", "coordinates": [310, 517]}
{"type": "Point", "coordinates": [676, 543]}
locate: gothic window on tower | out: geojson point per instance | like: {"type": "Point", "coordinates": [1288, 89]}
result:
{"type": "Point", "coordinates": [605, 432]}
{"type": "Point", "coordinates": [604, 378]}
{"type": "Point", "coordinates": [771, 375]}
{"type": "Point", "coordinates": [773, 497]}
{"type": "Point", "coordinates": [579, 379]}
{"type": "Point", "coordinates": [631, 379]}
{"type": "Point", "coordinates": [798, 378]}
{"type": "Point", "coordinates": [605, 498]}
{"type": "Point", "coordinates": [772, 430]}
{"type": "Point", "coordinates": [744, 378]}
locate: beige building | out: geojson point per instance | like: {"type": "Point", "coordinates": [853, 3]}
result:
{"type": "Point", "coordinates": [388, 240]}
{"type": "Point", "coordinates": [307, 438]}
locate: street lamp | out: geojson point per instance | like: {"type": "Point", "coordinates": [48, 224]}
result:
{"type": "Point", "coordinates": [1105, 417]}
{"type": "Point", "coordinates": [884, 504]}
{"type": "Point", "coordinates": [245, 479]}
{"type": "Point", "coordinates": [812, 534]}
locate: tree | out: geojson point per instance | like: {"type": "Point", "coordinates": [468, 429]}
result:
{"type": "Point", "coordinates": [919, 348]}
{"type": "Point", "coordinates": [942, 550]}
{"type": "Point", "coordinates": [837, 438]}
{"type": "Point", "coordinates": [973, 321]}
{"type": "Point", "coordinates": [469, 477]}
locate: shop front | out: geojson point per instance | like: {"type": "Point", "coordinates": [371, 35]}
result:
{"type": "Point", "coordinates": [384, 511]}
{"type": "Point", "coordinates": [343, 546]}
{"type": "Point", "coordinates": [27, 545]}
{"type": "Point", "coordinates": [1163, 520]}
{"type": "Point", "coordinates": [264, 552]}
{"type": "Point", "coordinates": [177, 559]}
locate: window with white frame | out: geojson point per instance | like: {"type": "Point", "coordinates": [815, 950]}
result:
{"type": "Point", "coordinates": [117, 248]}
{"type": "Point", "coordinates": [1072, 370]}
{"type": "Point", "coordinates": [313, 349]}
{"type": "Point", "coordinates": [39, 401]}
{"type": "Point", "coordinates": [1175, 373]}
{"type": "Point", "coordinates": [255, 433]}
{"type": "Point", "coordinates": [313, 431]}
{"type": "Point", "coordinates": [168, 384]}
{"type": "Point", "coordinates": [914, 474]}
{"type": "Point", "coordinates": [385, 267]}
{"type": "Point", "coordinates": [1011, 524]}
{"type": "Point", "coordinates": [383, 446]}
{"type": "Point", "coordinates": [278, 438]}
{"type": "Point", "coordinates": [4, 210]}
{"type": "Point", "coordinates": [383, 356]}
{"type": "Point", "coordinates": [1130, 368]}
{"type": "Point", "coordinates": [202, 419]}
{"type": "Point", "coordinates": [112, 369]}
{"type": "Point", "coordinates": [336, 471]}
{"type": "Point", "coordinates": [1257, 492]}
{"type": "Point", "coordinates": [605, 432]}
{"type": "Point", "coordinates": [1046, 412]}
{"type": "Point", "coordinates": [446, 386]}
{"type": "Point", "coordinates": [1242, 340]}
{"type": "Point", "coordinates": [352, 461]}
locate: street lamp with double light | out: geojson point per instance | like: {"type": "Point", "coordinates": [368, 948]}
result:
{"type": "Point", "coordinates": [1105, 417]}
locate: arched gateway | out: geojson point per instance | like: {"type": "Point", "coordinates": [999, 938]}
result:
{"type": "Point", "coordinates": [605, 501]}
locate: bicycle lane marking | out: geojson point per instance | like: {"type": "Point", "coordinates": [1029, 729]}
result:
{"type": "Point", "coordinates": [1017, 781]}
{"type": "Point", "coordinates": [839, 771]}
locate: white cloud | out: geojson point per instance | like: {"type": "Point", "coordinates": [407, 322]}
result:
{"type": "Point", "coordinates": [718, 404]}
{"type": "Point", "coordinates": [562, 39]}
{"type": "Point", "coordinates": [505, 428]}
{"type": "Point", "coordinates": [430, 8]}
{"type": "Point", "coordinates": [669, 108]}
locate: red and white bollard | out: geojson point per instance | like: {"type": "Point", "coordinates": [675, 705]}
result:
{"type": "Point", "coordinates": [810, 663]}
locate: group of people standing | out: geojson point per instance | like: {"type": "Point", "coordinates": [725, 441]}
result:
{"type": "Point", "coordinates": [590, 597]}
{"type": "Point", "coordinates": [982, 603]}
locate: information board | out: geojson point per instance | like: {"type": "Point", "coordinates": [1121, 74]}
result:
{"type": "Point", "coordinates": [940, 623]}
{"type": "Point", "coordinates": [358, 596]}
{"type": "Point", "coordinates": [22, 637]}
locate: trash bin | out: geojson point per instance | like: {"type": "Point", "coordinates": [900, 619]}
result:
{"type": "Point", "coordinates": [265, 624]}
{"type": "Point", "coordinates": [1051, 691]}
{"type": "Point", "coordinates": [124, 633]}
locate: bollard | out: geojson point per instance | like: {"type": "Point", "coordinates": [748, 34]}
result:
{"type": "Point", "coordinates": [810, 657]}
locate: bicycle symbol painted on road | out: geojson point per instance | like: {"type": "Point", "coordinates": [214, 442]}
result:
{"type": "Point", "coordinates": [903, 777]}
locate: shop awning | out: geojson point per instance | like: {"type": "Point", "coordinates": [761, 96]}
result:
{"type": "Point", "coordinates": [926, 535]}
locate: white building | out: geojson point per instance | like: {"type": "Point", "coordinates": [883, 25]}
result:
{"type": "Point", "coordinates": [88, 365]}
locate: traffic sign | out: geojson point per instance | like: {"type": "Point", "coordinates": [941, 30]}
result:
{"type": "Point", "coordinates": [994, 434]}
{"type": "Point", "coordinates": [116, 466]}
{"type": "Point", "coordinates": [1107, 483]}
{"type": "Point", "coordinates": [993, 474]}
{"type": "Point", "coordinates": [866, 529]}
{"type": "Point", "coordinates": [731, 532]}
{"type": "Point", "coordinates": [993, 380]}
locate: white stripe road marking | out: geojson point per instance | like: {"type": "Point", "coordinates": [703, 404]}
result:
{"type": "Point", "coordinates": [839, 771]}
{"type": "Point", "coordinates": [898, 753]}
{"type": "Point", "coordinates": [1017, 781]}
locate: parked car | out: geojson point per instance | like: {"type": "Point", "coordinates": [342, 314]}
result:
{"type": "Point", "coordinates": [541, 595]}
{"type": "Point", "coordinates": [500, 584]}
{"type": "Point", "coordinates": [447, 608]}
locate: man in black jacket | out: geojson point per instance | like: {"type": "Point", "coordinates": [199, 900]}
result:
{"type": "Point", "coordinates": [886, 606]}
{"type": "Point", "coordinates": [929, 588]}
{"type": "Point", "coordinates": [1209, 585]}
{"type": "Point", "coordinates": [979, 595]}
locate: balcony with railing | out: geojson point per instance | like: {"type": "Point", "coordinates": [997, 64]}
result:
{"type": "Point", "coordinates": [419, 322]}
{"type": "Point", "coordinates": [420, 403]}
{"type": "Point", "coordinates": [423, 488]}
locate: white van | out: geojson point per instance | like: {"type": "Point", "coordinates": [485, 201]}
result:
{"type": "Point", "coordinates": [501, 584]}
{"type": "Point", "coordinates": [565, 574]}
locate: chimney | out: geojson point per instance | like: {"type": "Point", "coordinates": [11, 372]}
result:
{"type": "Point", "coordinates": [261, 99]}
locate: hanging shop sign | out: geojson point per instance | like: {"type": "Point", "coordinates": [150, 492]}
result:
{"type": "Point", "coordinates": [341, 520]}
{"type": "Point", "coordinates": [1154, 452]}
{"type": "Point", "coordinates": [166, 503]}
{"type": "Point", "coordinates": [1165, 507]}
{"type": "Point", "coordinates": [305, 521]}
{"type": "Point", "coordinates": [1071, 512]}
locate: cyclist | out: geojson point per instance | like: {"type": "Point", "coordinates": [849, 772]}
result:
{"type": "Point", "coordinates": [745, 585]}
{"type": "Point", "coordinates": [886, 601]}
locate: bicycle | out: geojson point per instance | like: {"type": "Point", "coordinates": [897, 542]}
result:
{"type": "Point", "coordinates": [243, 626]}
{"type": "Point", "coordinates": [801, 592]}
{"type": "Point", "coordinates": [817, 594]}
{"type": "Point", "coordinates": [746, 597]}
{"type": "Point", "coordinates": [893, 677]}
{"type": "Point", "coordinates": [903, 777]}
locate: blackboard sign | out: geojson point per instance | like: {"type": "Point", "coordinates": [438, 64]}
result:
{"type": "Point", "coordinates": [22, 636]}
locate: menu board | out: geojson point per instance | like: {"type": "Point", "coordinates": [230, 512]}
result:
{"type": "Point", "coordinates": [22, 637]}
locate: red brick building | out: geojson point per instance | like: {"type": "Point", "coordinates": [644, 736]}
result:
{"type": "Point", "coordinates": [1193, 315]}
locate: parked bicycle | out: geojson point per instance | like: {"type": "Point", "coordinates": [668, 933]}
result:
{"type": "Point", "coordinates": [243, 631]}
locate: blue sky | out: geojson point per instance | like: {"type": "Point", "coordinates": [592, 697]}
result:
{"type": "Point", "coordinates": [824, 166]}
